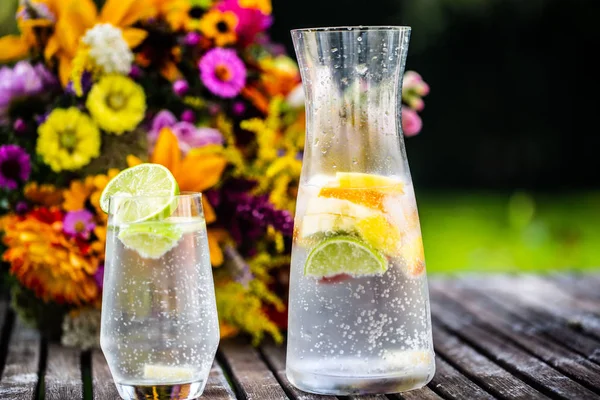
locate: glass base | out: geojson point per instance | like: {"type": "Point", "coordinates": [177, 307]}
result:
{"type": "Point", "coordinates": [341, 385]}
{"type": "Point", "coordinates": [176, 391]}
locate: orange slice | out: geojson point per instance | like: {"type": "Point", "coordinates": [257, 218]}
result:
{"type": "Point", "coordinates": [413, 254]}
{"type": "Point", "coordinates": [382, 235]}
{"type": "Point", "coordinates": [370, 198]}
{"type": "Point", "coordinates": [356, 180]}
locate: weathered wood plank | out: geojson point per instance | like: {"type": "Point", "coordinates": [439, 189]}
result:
{"type": "Point", "coordinates": [419, 394]}
{"type": "Point", "coordinates": [480, 369]}
{"type": "Point", "coordinates": [20, 376]}
{"type": "Point", "coordinates": [508, 355]}
{"type": "Point", "coordinates": [63, 373]}
{"type": "Point", "coordinates": [250, 375]}
{"type": "Point", "coordinates": [462, 301]}
{"type": "Point", "coordinates": [555, 327]}
{"type": "Point", "coordinates": [368, 397]}
{"type": "Point", "coordinates": [451, 384]}
{"type": "Point", "coordinates": [102, 381]}
{"type": "Point", "coordinates": [582, 286]}
{"type": "Point", "coordinates": [543, 296]}
{"type": "Point", "coordinates": [217, 387]}
{"type": "Point", "coordinates": [275, 358]}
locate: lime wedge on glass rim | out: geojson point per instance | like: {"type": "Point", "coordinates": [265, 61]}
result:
{"type": "Point", "coordinates": [144, 196]}
{"type": "Point", "coordinates": [344, 255]}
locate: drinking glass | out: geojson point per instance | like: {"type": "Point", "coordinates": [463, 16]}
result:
{"type": "Point", "coordinates": [359, 319]}
{"type": "Point", "coordinates": [159, 330]}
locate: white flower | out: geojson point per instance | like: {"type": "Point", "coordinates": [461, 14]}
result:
{"type": "Point", "coordinates": [296, 97]}
{"type": "Point", "coordinates": [108, 49]}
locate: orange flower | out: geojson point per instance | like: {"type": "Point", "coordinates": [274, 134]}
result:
{"type": "Point", "coordinates": [75, 17]}
{"type": "Point", "coordinates": [45, 195]}
{"type": "Point", "coordinates": [45, 261]}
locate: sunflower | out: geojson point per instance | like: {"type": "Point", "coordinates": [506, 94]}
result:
{"type": "Point", "coordinates": [220, 26]}
{"type": "Point", "coordinates": [117, 104]}
{"type": "Point", "coordinates": [68, 139]}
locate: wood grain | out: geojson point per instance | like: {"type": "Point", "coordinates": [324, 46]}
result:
{"type": "Point", "coordinates": [20, 376]}
{"type": "Point", "coordinates": [521, 332]}
{"type": "Point", "coordinates": [217, 387]}
{"type": "Point", "coordinates": [275, 358]}
{"type": "Point", "coordinates": [63, 373]}
{"type": "Point", "coordinates": [102, 381]}
{"type": "Point", "coordinates": [508, 355]}
{"type": "Point", "coordinates": [543, 323]}
{"type": "Point", "coordinates": [250, 375]}
{"type": "Point", "coordinates": [481, 369]}
{"type": "Point", "coordinates": [419, 394]}
{"type": "Point", "coordinates": [451, 384]}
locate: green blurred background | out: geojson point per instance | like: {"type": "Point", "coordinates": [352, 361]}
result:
{"type": "Point", "coordinates": [506, 167]}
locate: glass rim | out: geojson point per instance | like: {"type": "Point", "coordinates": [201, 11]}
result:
{"type": "Point", "coordinates": [181, 195]}
{"type": "Point", "coordinates": [350, 28]}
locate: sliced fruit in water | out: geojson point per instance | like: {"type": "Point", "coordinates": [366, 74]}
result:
{"type": "Point", "coordinates": [414, 256]}
{"type": "Point", "coordinates": [322, 205]}
{"type": "Point", "coordinates": [326, 224]}
{"type": "Point", "coordinates": [360, 180]}
{"type": "Point", "coordinates": [370, 198]}
{"type": "Point", "coordinates": [167, 373]}
{"type": "Point", "coordinates": [151, 239]}
{"type": "Point", "coordinates": [153, 181]}
{"type": "Point", "coordinates": [381, 234]}
{"type": "Point", "coordinates": [344, 255]}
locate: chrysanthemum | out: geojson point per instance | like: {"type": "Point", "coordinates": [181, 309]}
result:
{"type": "Point", "coordinates": [18, 85]}
{"type": "Point", "coordinates": [15, 166]}
{"type": "Point", "coordinates": [222, 72]}
{"type": "Point", "coordinates": [68, 139]}
{"type": "Point", "coordinates": [252, 21]}
{"type": "Point", "coordinates": [108, 49]}
{"type": "Point", "coordinates": [79, 224]}
{"type": "Point", "coordinates": [117, 104]}
{"type": "Point", "coordinates": [219, 26]}
{"type": "Point", "coordinates": [45, 261]}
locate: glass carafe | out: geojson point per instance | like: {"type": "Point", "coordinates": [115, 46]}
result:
{"type": "Point", "coordinates": [359, 319]}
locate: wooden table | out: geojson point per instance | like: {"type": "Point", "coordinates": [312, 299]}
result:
{"type": "Point", "coordinates": [505, 337]}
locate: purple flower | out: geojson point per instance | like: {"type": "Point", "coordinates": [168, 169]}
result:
{"type": "Point", "coordinates": [15, 166]}
{"type": "Point", "coordinates": [180, 87]}
{"type": "Point", "coordinates": [188, 116]}
{"type": "Point", "coordinates": [99, 276]}
{"type": "Point", "coordinates": [19, 82]}
{"type": "Point", "coordinates": [189, 136]}
{"type": "Point", "coordinates": [20, 125]}
{"type": "Point", "coordinates": [164, 119]}
{"type": "Point", "coordinates": [86, 84]}
{"type": "Point", "coordinates": [21, 207]}
{"type": "Point", "coordinates": [135, 72]}
{"type": "Point", "coordinates": [192, 39]}
{"type": "Point", "coordinates": [79, 223]}
{"type": "Point", "coordinates": [411, 122]}
{"type": "Point", "coordinates": [238, 108]}
{"type": "Point", "coordinates": [222, 72]}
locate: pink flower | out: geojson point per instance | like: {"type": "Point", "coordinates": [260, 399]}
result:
{"type": "Point", "coordinates": [190, 137]}
{"type": "Point", "coordinates": [180, 87]}
{"type": "Point", "coordinates": [413, 82]}
{"type": "Point", "coordinates": [223, 72]}
{"type": "Point", "coordinates": [164, 119]}
{"type": "Point", "coordinates": [79, 224]}
{"type": "Point", "coordinates": [251, 21]}
{"type": "Point", "coordinates": [411, 122]}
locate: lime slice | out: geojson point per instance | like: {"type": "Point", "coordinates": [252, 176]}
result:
{"type": "Point", "coordinates": [344, 255]}
{"type": "Point", "coordinates": [151, 239]}
{"type": "Point", "coordinates": [166, 373]}
{"type": "Point", "coordinates": [151, 180]}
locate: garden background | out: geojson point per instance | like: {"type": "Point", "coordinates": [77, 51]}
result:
{"type": "Point", "coordinates": [506, 167]}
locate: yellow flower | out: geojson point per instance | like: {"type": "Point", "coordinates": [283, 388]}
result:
{"type": "Point", "coordinates": [45, 195]}
{"type": "Point", "coordinates": [68, 139]}
{"type": "Point", "coordinates": [48, 263]}
{"type": "Point", "coordinates": [175, 12]}
{"type": "Point", "coordinates": [263, 5]}
{"type": "Point", "coordinates": [75, 17]}
{"type": "Point", "coordinates": [219, 26]}
{"type": "Point", "coordinates": [117, 104]}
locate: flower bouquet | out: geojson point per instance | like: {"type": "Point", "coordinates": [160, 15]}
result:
{"type": "Point", "coordinates": [194, 85]}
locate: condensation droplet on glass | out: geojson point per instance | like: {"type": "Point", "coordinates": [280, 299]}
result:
{"type": "Point", "coordinates": [354, 161]}
{"type": "Point", "coordinates": [359, 38]}
{"type": "Point", "coordinates": [316, 142]}
{"type": "Point", "coordinates": [334, 50]}
{"type": "Point", "coordinates": [362, 69]}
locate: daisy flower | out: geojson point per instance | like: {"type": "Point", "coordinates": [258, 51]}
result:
{"type": "Point", "coordinates": [68, 139]}
{"type": "Point", "coordinates": [79, 224]}
{"type": "Point", "coordinates": [15, 166]}
{"type": "Point", "coordinates": [222, 72]}
{"type": "Point", "coordinates": [117, 104]}
{"type": "Point", "coordinates": [220, 26]}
